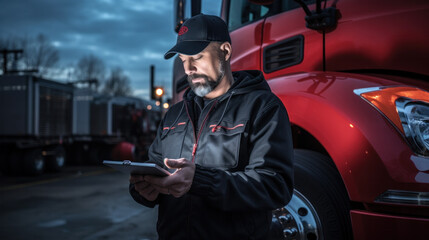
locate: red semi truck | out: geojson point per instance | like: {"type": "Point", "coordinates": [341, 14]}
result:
{"type": "Point", "coordinates": [354, 76]}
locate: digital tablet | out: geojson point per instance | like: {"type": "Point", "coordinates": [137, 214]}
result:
{"type": "Point", "coordinates": [129, 167]}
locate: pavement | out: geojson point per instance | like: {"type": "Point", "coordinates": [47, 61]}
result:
{"type": "Point", "coordinates": [82, 202]}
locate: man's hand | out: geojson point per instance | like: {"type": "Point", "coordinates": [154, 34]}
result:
{"type": "Point", "coordinates": [144, 188]}
{"type": "Point", "coordinates": [178, 183]}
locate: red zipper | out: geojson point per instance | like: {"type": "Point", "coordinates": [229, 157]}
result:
{"type": "Point", "coordinates": [195, 146]}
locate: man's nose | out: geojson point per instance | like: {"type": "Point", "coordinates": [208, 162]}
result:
{"type": "Point", "coordinates": [189, 67]}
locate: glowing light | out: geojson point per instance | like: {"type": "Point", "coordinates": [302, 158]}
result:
{"type": "Point", "coordinates": [159, 92]}
{"type": "Point", "coordinates": [166, 105]}
{"type": "Point", "coordinates": [149, 107]}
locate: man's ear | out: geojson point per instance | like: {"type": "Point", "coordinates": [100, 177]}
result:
{"type": "Point", "coordinates": [226, 48]}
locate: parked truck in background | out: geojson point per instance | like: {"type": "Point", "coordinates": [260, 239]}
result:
{"type": "Point", "coordinates": [44, 123]}
{"type": "Point", "coordinates": [36, 119]}
{"type": "Point", "coordinates": [353, 76]}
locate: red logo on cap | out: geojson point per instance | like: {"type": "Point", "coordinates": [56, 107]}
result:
{"type": "Point", "coordinates": [183, 30]}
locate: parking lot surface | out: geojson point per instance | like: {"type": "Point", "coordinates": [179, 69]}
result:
{"type": "Point", "coordinates": [81, 202]}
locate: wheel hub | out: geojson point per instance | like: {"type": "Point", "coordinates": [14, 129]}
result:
{"type": "Point", "coordinates": [299, 219]}
{"type": "Point", "coordinates": [39, 163]}
{"type": "Point", "coordinates": [60, 160]}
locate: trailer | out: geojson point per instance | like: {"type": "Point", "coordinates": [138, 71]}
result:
{"type": "Point", "coordinates": [45, 123]}
{"type": "Point", "coordinates": [35, 123]}
{"type": "Point", "coordinates": [103, 123]}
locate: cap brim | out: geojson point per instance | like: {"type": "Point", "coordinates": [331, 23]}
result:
{"type": "Point", "coordinates": [187, 48]}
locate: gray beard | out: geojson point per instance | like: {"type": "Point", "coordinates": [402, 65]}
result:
{"type": "Point", "coordinates": [208, 84]}
{"type": "Point", "coordinates": [202, 90]}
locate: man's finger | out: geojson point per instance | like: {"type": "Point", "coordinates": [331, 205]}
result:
{"type": "Point", "coordinates": [136, 178]}
{"type": "Point", "coordinates": [163, 190]}
{"type": "Point", "coordinates": [161, 182]}
{"type": "Point", "coordinates": [175, 163]}
{"type": "Point", "coordinates": [142, 185]}
{"type": "Point", "coordinates": [150, 193]}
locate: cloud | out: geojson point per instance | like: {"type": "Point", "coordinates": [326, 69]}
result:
{"type": "Point", "coordinates": [131, 34]}
{"type": "Point", "coordinates": [141, 92]}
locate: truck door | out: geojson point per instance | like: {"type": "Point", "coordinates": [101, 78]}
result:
{"type": "Point", "coordinates": [287, 45]}
{"type": "Point", "coordinates": [245, 23]}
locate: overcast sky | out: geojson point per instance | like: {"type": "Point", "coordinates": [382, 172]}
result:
{"type": "Point", "coordinates": [131, 34]}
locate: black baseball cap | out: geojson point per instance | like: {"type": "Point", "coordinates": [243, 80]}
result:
{"type": "Point", "coordinates": [197, 32]}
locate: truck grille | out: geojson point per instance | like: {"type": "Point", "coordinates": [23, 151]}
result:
{"type": "Point", "coordinates": [284, 54]}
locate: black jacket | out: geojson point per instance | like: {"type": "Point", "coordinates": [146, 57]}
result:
{"type": "Point", "coordinates": [243, 155]}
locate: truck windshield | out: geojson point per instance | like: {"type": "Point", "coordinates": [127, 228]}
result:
{"type": "Point", "coordinates": [242, 12]}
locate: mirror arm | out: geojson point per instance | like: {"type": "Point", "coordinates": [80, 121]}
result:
{"type": "Point", "coordinates": [304, 6]}
{"type": "Point", "coordinates": [318, 6]}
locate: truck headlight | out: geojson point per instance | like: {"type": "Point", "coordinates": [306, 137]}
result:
{"type": "Point", "coordinates": [415, 121]}
{"type": "Point", "coordinates": [407, 108]}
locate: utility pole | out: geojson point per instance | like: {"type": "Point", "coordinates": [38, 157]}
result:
{"type": "Point", "coordinates": [156, 92]}
{"type": "Point", "coordinates": [152, 80]}
{"type": "Point", "coordinates": [15, 52]}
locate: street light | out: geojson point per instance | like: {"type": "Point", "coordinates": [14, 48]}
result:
{"type": "Point", "coordinates": [159, 92]}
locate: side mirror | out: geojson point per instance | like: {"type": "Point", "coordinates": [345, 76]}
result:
{"type": "Point", "coordinates": [179, 14]}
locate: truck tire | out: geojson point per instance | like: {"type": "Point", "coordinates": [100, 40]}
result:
{"type": "Point", "coordinates": [320, 207]}
{"type": "Point", "coordinates": [57, 161]}
{"type": "Point", "coordinates": [34, 162]}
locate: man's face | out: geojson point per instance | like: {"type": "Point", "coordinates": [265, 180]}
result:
{"type": "Point", "coordinates": [205, 70]}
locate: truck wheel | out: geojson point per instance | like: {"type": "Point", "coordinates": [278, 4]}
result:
{"type": "Point", "coordinates": [34, 162]}
{"type": "Point", "coordinates": [319, 208]}
{"type": "Point", "coordinates": [55, 162]}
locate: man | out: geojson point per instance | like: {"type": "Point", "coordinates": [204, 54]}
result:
{"type": "Point", "coordinates": [229, 143]}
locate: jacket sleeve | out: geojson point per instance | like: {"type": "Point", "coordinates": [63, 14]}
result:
{"type": "Point", "coordinates": [155, 156]}
{"type": "Point", "coordinates": [267, 181]}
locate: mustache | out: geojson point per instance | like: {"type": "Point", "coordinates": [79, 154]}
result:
{"type": "Point", "coordinates": [194, 76]}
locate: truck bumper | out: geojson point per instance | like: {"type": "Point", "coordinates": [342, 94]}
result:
{"type": "Point", "coordinates": [368, 226]}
